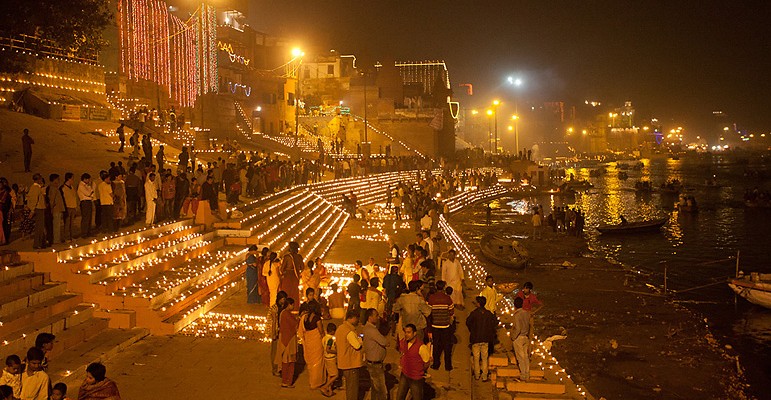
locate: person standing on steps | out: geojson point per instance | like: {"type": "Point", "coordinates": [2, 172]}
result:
{"type": "Point", "coordinates": [26, 145]}
{"type": "Point", "coordinates": [481, 324]}
{"type": "Point", "coordinates": [121, 137]}
{"type": "Point", "coordinates": [291, 268]}
{"type": "Point", "coordinates": [86, 196]}
{"type": "Point", "coordinates": [349, 355]}
{"type": "Point", "coordinates": [520, 335]}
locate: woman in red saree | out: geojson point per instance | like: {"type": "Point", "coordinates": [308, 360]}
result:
{"type": "Point", "coordinates": [287, 344]}
{"type": "Point", "coordinates": [291, 268]}
{"type": "Point", "coordinates": [97, 386]}
{"type": "Point", "coordinates": [312, 330]}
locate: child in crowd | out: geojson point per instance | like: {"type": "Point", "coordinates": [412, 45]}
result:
{"type": "Point", "coordinates": [45, 342]}
{"type": "Point", "coordinates": [6, 393]}
{"type": "Point", "coordinates": [59, 392]}
{"type": "Point", "coordinates": [11, 375]}
{"type": "Point", "coordinates": [34, 381]}
{"type": "Point", "coordinates": [330, 359]}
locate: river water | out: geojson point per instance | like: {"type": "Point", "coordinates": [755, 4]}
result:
{"type": "Point", "coordinates": [689, 246]}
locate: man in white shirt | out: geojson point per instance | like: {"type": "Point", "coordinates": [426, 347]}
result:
{"type": "Point", "coordinates": [429, 245]}
{"type": "Point", "coordinates": [426, 222]}
{"type": "Point", "coordinates": [106, 204]}
{"type": "Point", "coordinates": [452, 273]}
{"type": "Point", "coordinates": [151, 195]}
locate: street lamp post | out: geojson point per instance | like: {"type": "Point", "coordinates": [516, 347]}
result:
{"type": "Point", "coordinates": [496, 103]}
{"type": "Point", "coordinates": [516, 132]}
{"type": "Point", "coordinates": [490, 130]}
{"type": "Point", "coordinates": [297, 54]}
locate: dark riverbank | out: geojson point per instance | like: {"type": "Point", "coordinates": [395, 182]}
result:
{"type": "Point", "coordinates": [623, 340]}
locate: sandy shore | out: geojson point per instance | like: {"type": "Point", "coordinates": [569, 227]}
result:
{"type": "Point", "coordinates": [624, 341]}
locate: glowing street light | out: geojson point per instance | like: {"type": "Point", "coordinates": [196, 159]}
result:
{"type": "Point", "coordinates": [496, 103]}
{"type": "Point", "coordinates": [296, 52]}
{"type": "Point", "coordinates": [514, 81]}
{"type": "Point", "coordinates": [474, 112]}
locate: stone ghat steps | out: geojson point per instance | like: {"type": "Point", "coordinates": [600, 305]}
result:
{"type": "Point", "coordinates": [313, 222]}
{"type": "Point", "coordinates": [547, 379]}
{"type": "Point", "coordinates": [254, 206]}
{"type": "Point", "coordinates": [370, 189]}
{"type": "Point", "coordinates": [104, 253]}
{"type": "Point", "coordinates": [268, 212]}
{"type": "Point", "coordinates": [69, 366]}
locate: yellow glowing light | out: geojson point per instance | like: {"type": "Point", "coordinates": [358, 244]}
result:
{"type": "Point", "coordinates": [489, 112]}
{"type": "Point", "coordinates": [296, 52]}
{"type": "Point", "coordinates": [496, 102]}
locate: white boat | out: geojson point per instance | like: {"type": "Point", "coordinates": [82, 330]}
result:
{"type": "Point", "coordinates": [756, 288]}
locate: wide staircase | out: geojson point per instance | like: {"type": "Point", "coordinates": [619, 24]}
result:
{"type": "Point", "coordinates": [31, 303]}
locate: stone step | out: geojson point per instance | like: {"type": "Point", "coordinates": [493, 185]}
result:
{"type": "Point", "coordinates": [535, 387]}
{"type": "Point", "coordinates": [274, 209]}
{"type": "Point", "coordinates": [168, 285]}
{"type": "Point", "coordinates": [513, 372]}
{"type": "Point", "coordinates": [328, 236]}
{"type": "Point", "coordinates": [133, 276]}
{"type": "Point", "coordinates": [77, 334]}
{"type": "Point", "coordinates": [252, 208]}
{"type": "Point", "coordinates": [301, 220]}
{"type": "Point", "coordinates": [29, 316]}
{"type": "Point", "coordinates": [10, 271]}
{"type": "Point", "coordinates": [95, 256]}
{"type": "Point", "coordinates": [283, 219]}
{"type": "Point", "coordinates": [19, 341]}
{"type": "Point", "coordinates": [13, 302]}
{"type": "Point", "coordinates": [22, 283]}
{"type": "Point", "coordinates": [188, 311]}
{"type": "Point", "coordinates": [70, 364]}
{"type": "Point", "coordinates": [535, 396]}
{"type": "Point", "coordinates": [150, 256]}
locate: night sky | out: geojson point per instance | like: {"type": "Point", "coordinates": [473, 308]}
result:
{"type": "Point", "coordinates": [676, 60]}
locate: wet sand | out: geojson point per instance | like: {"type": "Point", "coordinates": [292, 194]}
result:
{"type": "Point", "coordinates": [624, 340]}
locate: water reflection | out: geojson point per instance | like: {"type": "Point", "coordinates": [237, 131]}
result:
{"type": "Point", "coordinates": [689, 243]}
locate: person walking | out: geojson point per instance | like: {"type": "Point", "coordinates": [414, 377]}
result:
{"type": "Point", "coordinates": [452, 274]}
{"type": "Point", "coordinates": [414, 362]}
{"type": "Point", "coordinates": [121, 137]}
{"type": "Point", "coordinates": [442, 326]}
{"type": "Point", "coordinates": [349, 357]}
{"type": "Point", "coordinates": [537, 225]}
{"type": "Point", "coordinates": [26, 145]}
{"type": "Point", "coordinates": [519, 334]}
{"type": "Point", "coordinates": [481, 324]}
{"type": "Point", "coordinates": [374, 353]}
{"type": "Point", "coordinates": [119, 194]}
{"type": "Point", "coordinates": [286, 353]}
{"type": "Point", "coordinates": [86, 195]}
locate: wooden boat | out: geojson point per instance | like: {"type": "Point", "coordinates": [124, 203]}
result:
{"type": "Point", "coordinates": [633, 227]}
{"type": "Point", "coordinates": [756, 288]}
{"type": "Point", "coordinates": [502, 251]}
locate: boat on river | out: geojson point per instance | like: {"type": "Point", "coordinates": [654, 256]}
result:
{"type": "Point", "coordinates": [633, 227]}
{"type": "Point", "coordinates": [504, 252]}
{"type": "Point", "coordinates": [755, 288]}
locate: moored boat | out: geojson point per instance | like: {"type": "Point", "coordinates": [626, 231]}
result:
{"type": "Point", "coordinates": [633, 227]}
{"type": "Point", "coordinates": [504, 252]}
{"type": "Point", "coordinates": [756, 288]}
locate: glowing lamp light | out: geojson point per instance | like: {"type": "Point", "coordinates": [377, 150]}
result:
{"type": "Point", "coordinates": [296, 52]}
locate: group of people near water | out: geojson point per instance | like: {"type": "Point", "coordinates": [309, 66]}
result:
{"type": "Point", "coordinates": [27, 378]}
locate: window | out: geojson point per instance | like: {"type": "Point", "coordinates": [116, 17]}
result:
{"type": "Point", "coordinates": [330, 69]}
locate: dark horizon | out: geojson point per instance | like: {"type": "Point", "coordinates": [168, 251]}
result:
{"type": "Point", "coordinates": [676, 61]}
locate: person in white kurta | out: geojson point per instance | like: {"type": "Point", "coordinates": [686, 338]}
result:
{"type": "Point", "coordinates": [452, 273]}
{"type": "Point", "coordinates": [151, 194]}
{"type": "Point", "coordinates": [270, 271]}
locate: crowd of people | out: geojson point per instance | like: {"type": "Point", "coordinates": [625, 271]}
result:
{"type": "Point", "coordinates": [28, 379]}
{"type": "Point", "coordinates": [408, 304]}
{"type": "Point", "coordinates": [568, 220]}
